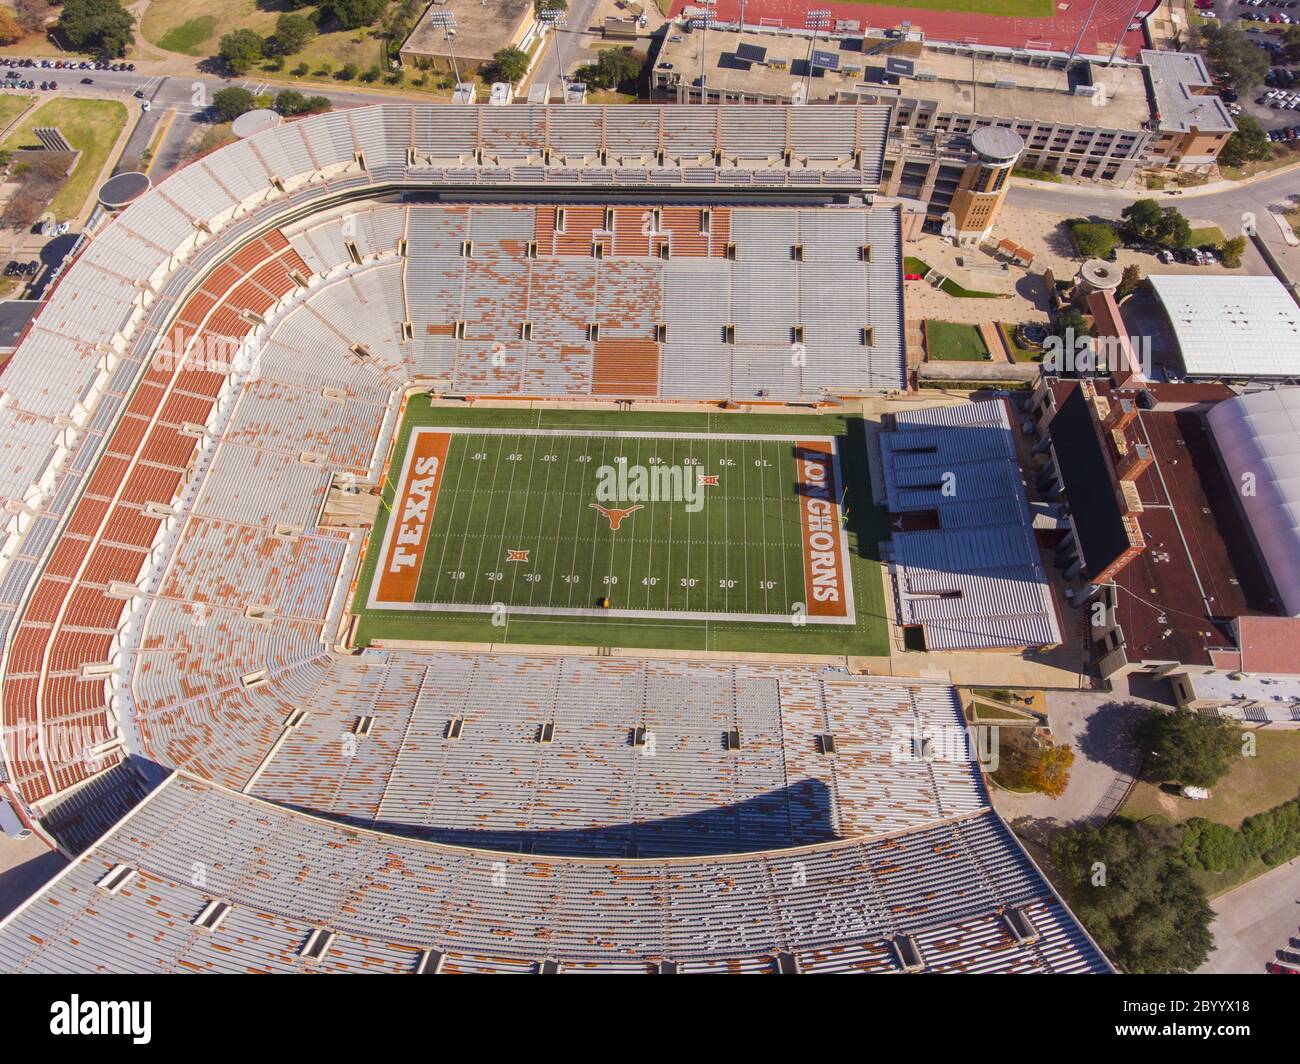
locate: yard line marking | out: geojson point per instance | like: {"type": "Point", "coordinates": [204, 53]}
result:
{"type": "Point", "coordinates": [591, 573]}
{"type": "Point", "coordinates": [460, 557]}
{"type": "Point", "coordinates": [451, 521]}
{"type": "Point", "coordinates": [541, 517]}
{"type": "Point", "coordinates": [501, 539]}
{"type": "Point", "coordinates": [632, 545]}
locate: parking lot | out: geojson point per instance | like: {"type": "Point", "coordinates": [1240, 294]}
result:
{"type": "Point", "coordinates": [1275, 104]}
{"type": "Point", "coordinates": [42, 75]}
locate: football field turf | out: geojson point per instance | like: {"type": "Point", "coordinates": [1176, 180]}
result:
{"type": "Point", "coordinates": [554, 522]}
{"type": "Point", "coordinates": [599, 528]}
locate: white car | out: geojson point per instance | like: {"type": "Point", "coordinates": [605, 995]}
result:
{"type": "Point", "coordinates": [1196, 794]}
{"type": "Point", "coordinates": [145, 106]}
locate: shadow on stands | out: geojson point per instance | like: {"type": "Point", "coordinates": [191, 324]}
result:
{"type": "Point", "coordinates": [796, 815]}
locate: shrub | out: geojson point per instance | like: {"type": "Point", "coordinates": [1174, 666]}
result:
{"type": "Point", "coordinates": [1213, 847]}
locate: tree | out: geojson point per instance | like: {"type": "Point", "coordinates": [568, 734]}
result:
{"type": "Point", "coordinates": [10, 31]}
{"type": "Point", "coordinates": [102, 26]}
{"type": "Point", "coordinates": [317, 104]}
{"type": "Point", "coordinates": [1240, 63]}
{"type": "Point", "coordinates": [348, 71]}
{"type": "Point", "coordinates": [1175, 230]}
{"type": "Point", "coordinates": [1070, 324]}
{"type": "Point", "coordinates": [23, 209]}
{"type": "Point", "coordinates": [1094, 240]}
{"type": "Point", "coordinates": [509, 64]}
{"type": "Point", "coordinates": [289, 102]}
{"type": "Point", "coordinates": [1290, 41]}
{"type": "Point", "coordinates": [1248, 143]}
{"type": "Point", "coordinates": [352, 14]}
{"type": "Point", "coordinates": [1141, 219]}
{"type": "Point", "coordinates": [1050, 774]}
{"type": "Point", "coordinates": [1147, 222]}
{"type": "Point", "coordinates": [614, 67]}
{"type": "Point", "coordinates": [1131, 888]}
{"type": "Point", "coordinates": [292, 33]}
{"type": "Point", "coordinates": [1186, 747]}
{"type": "Point", "coordinates": [1213, 847]}
{"type": "Point", "coordinates": [1129, 281]}
{"type": "Point", "coordinates": [1232, 251]}
{"type": "Point", "coordinates": [241, 49]}
{"type": "Point", "coordinates": [229, 103]}
{"type": "Point", "coordinates": [32, 14]}
{"type": "Point", "coordinates": [1274, 835]}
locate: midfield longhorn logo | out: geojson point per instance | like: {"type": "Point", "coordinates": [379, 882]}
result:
{"type": "Point", "coordinates": [616, 516]}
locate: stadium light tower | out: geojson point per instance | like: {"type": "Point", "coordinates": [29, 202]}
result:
{"type": "Point", "coordinates": [819, 18]}
{"type": "Point", "coordinates": [702, 20]}
{"type": "Point", "coordinates": [447, 21]}
{"type": "Point", "coordinates": [556, 19]}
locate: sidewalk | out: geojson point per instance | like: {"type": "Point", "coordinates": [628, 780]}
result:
{"type": "Point", "coordinates": [1104, 192]}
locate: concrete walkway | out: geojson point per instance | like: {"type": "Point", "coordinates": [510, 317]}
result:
{"type": "Point", "coordinates": [1099, 726]}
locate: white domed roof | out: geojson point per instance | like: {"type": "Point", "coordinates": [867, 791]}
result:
{"type": "Point", "coordinates": [1258, 437]}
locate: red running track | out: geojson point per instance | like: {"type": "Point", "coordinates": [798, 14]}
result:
{"type": "Point", "coordinates": [1060, 32]}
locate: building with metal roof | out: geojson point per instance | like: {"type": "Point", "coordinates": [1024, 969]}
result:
{"type": "Point", "coordinates": [1232, 328]}
{"type": "Point", "coordinates": [1258, 439]}
{"type": "Point", "coordinates": [1159, 532]}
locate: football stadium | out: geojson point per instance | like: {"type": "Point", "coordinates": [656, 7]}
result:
{"type": "Point", "coordinates": [435, 541]}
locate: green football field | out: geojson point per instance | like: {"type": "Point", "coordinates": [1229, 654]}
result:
{"type": "Point", "coordinates": [625, 529]}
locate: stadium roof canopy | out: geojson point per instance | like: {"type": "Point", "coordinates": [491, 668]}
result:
{"type": "Point", "coordinates": [1232, 326]}
{"type": "Point", "coordinates": [1258, 436]}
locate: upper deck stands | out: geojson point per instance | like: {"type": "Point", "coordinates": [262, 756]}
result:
{"type": "Point", "coordinates": [836, 907]}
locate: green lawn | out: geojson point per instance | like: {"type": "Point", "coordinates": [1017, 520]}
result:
{"type": "Point", "coordinates": [1020, 354]}
{"type": "Point", "coordinates": [949, 342]}
{"type": "Point", "coordinates": [912, 264]}
{"type": "Point", "coordinates": [192, 37]}
{"type": "Point", "coordinates": [11, 107]}
{"type": "Point", "coordinates": [195, 29]}
{"type": "Point", "coordinates": [1210, 235]}
{"type": "Point", "coordinates": [92, 127]}
{"type": "Point", "coordinates": [740, 557]}
{"type": "Point", "coordinates": [1253, 785]}
{"type": "Point", "coordinates": [954, 289]}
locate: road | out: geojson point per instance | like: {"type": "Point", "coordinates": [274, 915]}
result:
{"type": "Point", "coordinates": [1227, 204]}
{"type": "Point", "coordinates": [1218, 201]}
{"type": "Point", "coordinates": [571, 43]}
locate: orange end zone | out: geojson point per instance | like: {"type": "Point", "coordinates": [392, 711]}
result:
{"type": "Point", "coordinates": [411, 515]}
{"type": "Point", "coordinates": [825, 577]}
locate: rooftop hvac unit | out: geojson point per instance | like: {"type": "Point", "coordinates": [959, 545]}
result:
{"type": "Point", "coordinates": [1086, 90]}
{"type": "Point", "coordinates": [1021, 926]}
{"type": "Point", "coordinates": [908, 954]}
{"type": "Point", "coordinates": [1004, 84]}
